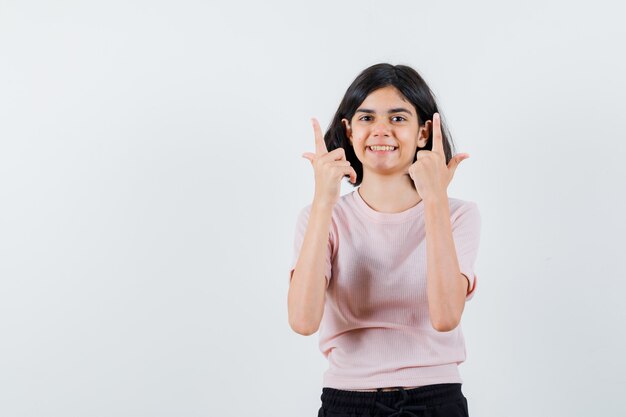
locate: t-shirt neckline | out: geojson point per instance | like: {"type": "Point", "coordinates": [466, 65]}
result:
{"type": "Point", "coordinates": [381, 217]}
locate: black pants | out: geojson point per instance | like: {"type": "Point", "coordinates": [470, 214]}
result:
{"type": "Point", "coordinates": [438, 400]}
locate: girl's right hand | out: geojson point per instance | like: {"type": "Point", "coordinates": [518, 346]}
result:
{"type": "Point", "coordinates": [329, 167]}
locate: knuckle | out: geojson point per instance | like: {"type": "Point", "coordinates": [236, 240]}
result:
{"type": "Point", "coordinates": [339, 151]}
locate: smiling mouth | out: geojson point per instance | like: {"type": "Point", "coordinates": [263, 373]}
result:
{"type": "Point", "coordinates": [381, 149]}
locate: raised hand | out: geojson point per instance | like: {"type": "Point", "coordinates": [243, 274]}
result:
{"type": "Point", "coordinates": [429, 172]}
{"type": "Point", "coordinates": [329, 167]}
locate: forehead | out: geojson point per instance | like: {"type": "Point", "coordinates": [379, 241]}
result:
{"type": "Point", "coordinates": [384, 98]}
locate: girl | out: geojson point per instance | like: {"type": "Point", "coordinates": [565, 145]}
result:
{"type": "Point", "coordinates": [384, 271]}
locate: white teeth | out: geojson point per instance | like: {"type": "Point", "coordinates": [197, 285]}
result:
{"type": "Point", "coordinates": [382, 148]}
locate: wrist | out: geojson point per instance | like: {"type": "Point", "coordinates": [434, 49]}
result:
{"type": "Point", "coordinates": [436, 198]}
{"type": "Point", "coordinates": [322, 204]}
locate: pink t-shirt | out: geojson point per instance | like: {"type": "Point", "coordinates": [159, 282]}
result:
{"type": "Point", "coordinates": [376, 331]}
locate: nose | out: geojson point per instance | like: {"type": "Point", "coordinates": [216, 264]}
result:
{"type": "Point", "coordinates": [381, 128]}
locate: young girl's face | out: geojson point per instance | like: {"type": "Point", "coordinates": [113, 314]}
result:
{"type": "Point", "coordinates": [386, 118]}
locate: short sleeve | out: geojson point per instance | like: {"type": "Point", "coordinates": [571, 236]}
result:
{"type": "Point", "coordinates": [301, 225]}
{"type": "Point", "coordinates": [466, 234]}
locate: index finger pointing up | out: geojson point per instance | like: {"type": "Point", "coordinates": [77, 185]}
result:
{"type": "Point", "coordinates": [320, 145]}
{"type": "Point", "coordinates": [437, 136]}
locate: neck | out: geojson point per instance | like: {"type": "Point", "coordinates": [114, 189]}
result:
{"type": "Point", "coordinates": [389, 193]}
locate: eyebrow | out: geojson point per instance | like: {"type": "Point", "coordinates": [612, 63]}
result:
{"type": "Point", "coordinates": [396, 110]}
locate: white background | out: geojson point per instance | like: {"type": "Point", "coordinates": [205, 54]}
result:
{"type": "Point", "coordinates": [151, 175]}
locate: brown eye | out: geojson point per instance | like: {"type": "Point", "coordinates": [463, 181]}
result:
{"type": "Point", "coordinates": [399, 117]}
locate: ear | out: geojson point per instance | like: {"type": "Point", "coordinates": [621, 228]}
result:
{"type": "Point", "coordinates": [348, 129]}
{"type": "Point", "coordinates": [423, 133]}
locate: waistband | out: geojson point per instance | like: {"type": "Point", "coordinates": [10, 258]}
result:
{"type": "Point", "coordinates": [420, 398]}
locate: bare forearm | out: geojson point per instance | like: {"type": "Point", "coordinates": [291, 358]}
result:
{"type": "Point", "coordinates": [446, 294]}
{"type": "Point", "coordinates": [308, 285]}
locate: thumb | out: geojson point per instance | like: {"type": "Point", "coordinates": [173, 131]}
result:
{"type": "Point", "coordinates": [308, 155]}
{"type": "Point", "coordinates": [455, 161]}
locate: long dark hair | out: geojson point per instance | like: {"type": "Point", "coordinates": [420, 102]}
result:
{"type": "Point", "coordinates": [410, 84]}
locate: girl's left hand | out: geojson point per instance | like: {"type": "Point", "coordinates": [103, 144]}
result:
{"type": "Point", "coordinates": [429, 172]}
